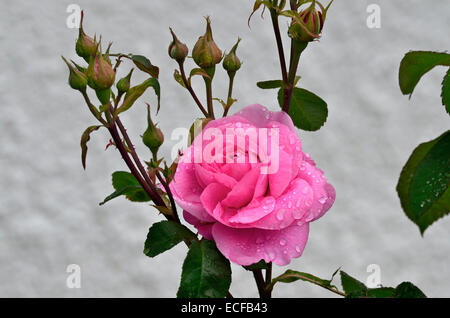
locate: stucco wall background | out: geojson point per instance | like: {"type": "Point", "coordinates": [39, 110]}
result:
{"type": "Point", "coordinates": [49, 213]}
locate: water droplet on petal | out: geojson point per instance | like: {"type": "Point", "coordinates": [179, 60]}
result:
{"type": "Point", "coordinates": [289, 204]}
{"type": "Point", "coordinates": [280, 214]}
{"type": "Point", "coordinates": [282, 242]}
{"type": "Point", "coordinates": [297, 214]}
{"type": "Point", "coordinates": [298, 248]}
{"type": "Point", "coordinates": [322, 200]}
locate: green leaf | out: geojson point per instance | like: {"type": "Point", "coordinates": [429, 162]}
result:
{"type": "Point", "coordinates": [206, 272]}
{"type": "Point", "coordinates": [446, 91]}
{"type": "Point", "coordinates": [164, 235]}
{"type": "Point", "coordinates": [136, 91]}
{"type": "Point", "coordinates": [417, 63]}
{"type": "Point", "coordinates": [85, 137]}
{"type": "Point", "coordinates": [355, 289]}
{"type": "Point", "coordinates": [352, 286]}
{"type": "Point", "coordinates": [270, 84]}
{"type": "Point", "coordinates": [145, 65]}
{"type": "Point", "coordinates": [126, 184]}
{"type": "Point", "coordinates": [290, 276]}
{"type": "Point", "coordinates": [260, 265]}
{"type": "Point", "coordinates": [177, 76]}
{"type": "Point", "coordinates": [197, 71]}
{"type": "Point", "coordinates": [423, 186]}
{"type": "Point", "coordinates": [408, 290]}
{"type": "Point", "coordinates": [307, 110]}
{"type": "Point", "coordinates": [382, 292]}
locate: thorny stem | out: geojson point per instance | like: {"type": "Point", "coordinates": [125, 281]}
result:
{"type": "Point", "coordinates": [159, 201]}
{"type": "Point", "coordinates": [191, 91]}
{"type": "Point", "coordinates": [169, 194]}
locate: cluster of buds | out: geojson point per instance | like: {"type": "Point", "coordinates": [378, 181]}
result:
{"type": "Point", "coordinates": [99, 75]}
{"type": "Point", "coordinates": [308, 25]}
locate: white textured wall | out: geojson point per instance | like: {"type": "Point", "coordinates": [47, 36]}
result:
{"type": "Point", "coordinates": [49, 213]}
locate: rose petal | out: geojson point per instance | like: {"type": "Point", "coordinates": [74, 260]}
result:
{"type": "Point", "coordinates": [212, 195]}
{"type": "Point", "coordinates": [241, 194]}
{"type": "Point", "coordinates": [186, 191]}
{"type": "Point", "coordinates": [204, 229]}
{"type": "Point", "coordinates": [248, 246]}
{"type": "Point", "coordinates": [280, 179]}
{"type": "Point", "coordinates": [291, 207]}
{"type": "Point", "coordinates": [260, 116]}
{"type": "Point", "coordinates": [324, 193]}
{"type": "Point", "coordinates": [256, 210]}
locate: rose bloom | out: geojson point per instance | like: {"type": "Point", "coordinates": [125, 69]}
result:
{"type": "Point", "coordinates": [255, 198]}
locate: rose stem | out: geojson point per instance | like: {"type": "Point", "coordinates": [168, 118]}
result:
{"type": "Point", "coordinates": [230, 92]}
{"type": "Point", "coordinates": [257, 274]}
{"type": "Point", "coordinates": [208, 84]}
{"type": "Point", "coordinates": [268, 279]}
{"type": "Point", "coordinates": [169, 194]}
{"type": "Point", "coordinates": [138, 161]}
{"type": "Point", "coordinates": [191, 91]}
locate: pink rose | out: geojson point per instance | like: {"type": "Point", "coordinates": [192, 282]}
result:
{"type": "Point", "coordinates": [254, 198]}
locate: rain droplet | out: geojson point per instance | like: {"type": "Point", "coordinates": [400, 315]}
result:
{"type": "Point", "coordinates": [322, 200]}
{"type": "Point", "coordinates": [298, 248]}
{"type": "Point", "coordinates": [289, 204]}
{"type": "Point", "coordinates": [282, 242]}
{"type": "Point", "coordinates": [297, 214]}
{"type": "Point", "coordinates": [280, 214]}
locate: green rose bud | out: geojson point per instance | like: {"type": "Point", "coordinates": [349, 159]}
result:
{"type": "Point", "coordinates": [231, 62]}
{"type": "Point", "coordinates": [153, 138]}
{"type": "Point", "coordinates": [310, 25]}
{"type": "Point", "coordinates": [100, 73]}
{"type": "Point", "coordinates": [77, 79]}
{"type": "Point", "coordinates": [123, 85]}
{"type": "Point", "coordinates": [85, 45]}
{"type": "Point", "coordinates": [177, 50]}
{"type": "Point", "coordinates": [206, 54]}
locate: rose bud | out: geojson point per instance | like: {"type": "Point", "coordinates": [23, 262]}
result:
{"type": "Point", "coordinates": [231, 62]}
{"type": "Point", "coordinates": [77, 79]}
{"type": "Point", "coordinates": [123, 85]}
{"type": "Point", "coordinates": [177, 50]}
{"type": "Point", "coordinates": [153, 138]}
{"type": "Point", "coordinates": [100, 73]}
{"type": "Point", "coordinates": [85, 46]}
{"type": "Point", "coordinates": [206, 54]}
{"type": "Point", "coordinates": [313, 21]}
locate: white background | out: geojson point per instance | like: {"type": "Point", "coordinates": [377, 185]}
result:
{"type": "Point", "coordinates": [49, 212]}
